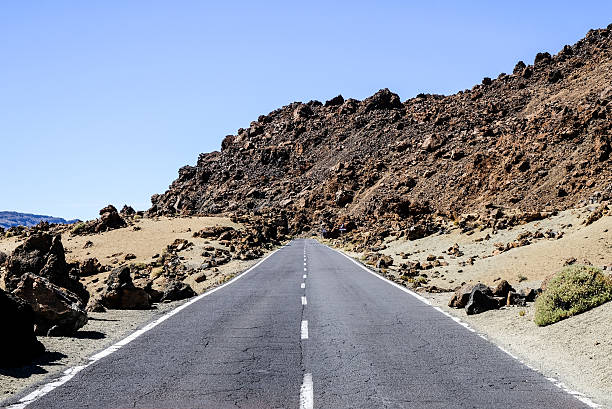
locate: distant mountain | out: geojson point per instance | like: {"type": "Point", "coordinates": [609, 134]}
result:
{"type": "Point", "coordinates": [10, 219]}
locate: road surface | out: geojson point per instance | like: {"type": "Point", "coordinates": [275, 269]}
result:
{"type": "Point", "coordinates": [308, 328]}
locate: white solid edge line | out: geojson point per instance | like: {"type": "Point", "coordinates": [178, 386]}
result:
{"type": "Point", "coordinates": [303, 285]}
{"type": "Point", "coordinates": [304, 329]}
{"type": "Point", "coordinates": [306, 393]}
{"type": "Point", "coordinates": [304, 301]}
{"type": "Point", "coordinates": [72, 371]}
{"type": "Point", "coordinates": [580, 396]}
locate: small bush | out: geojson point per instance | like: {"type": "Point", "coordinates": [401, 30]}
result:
{"type": "Point", "coordinates": [574, 290]}
{"type": "Point", "coordinates": [78, 228]}
{"type": "Point", "coordinates": [521, 278]}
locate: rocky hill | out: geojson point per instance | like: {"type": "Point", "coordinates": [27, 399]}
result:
{"type": "Point", "coordinates": [533, 140]}
{"type": "Point", "coordinates": [10, 219]}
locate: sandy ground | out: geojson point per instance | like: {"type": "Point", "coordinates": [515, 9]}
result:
{"type": "Point", "coordinates": [151, 238]}
{"type": "Point", "coordinates": [145, 239]}
{"type": "Point", "coordinates": [588, 244]}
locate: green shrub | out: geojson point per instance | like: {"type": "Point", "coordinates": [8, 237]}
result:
{"type": "Point", "coordinates": [78, 228]}
{"type": "Point", "coordinates": [573, 290]}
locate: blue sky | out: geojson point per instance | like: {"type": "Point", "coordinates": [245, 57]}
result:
{"type": "Point", "coordinates": [102, 102]}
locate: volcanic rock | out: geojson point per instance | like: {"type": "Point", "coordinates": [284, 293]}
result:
{"type": "Point", "coordinates": [502, 289]}
{"type": "Point", "coordinates": [18, 344]}
{"type": "Point", "coordinates": [110, 219]}
{"type": "Point", "coordinates": [43, 254]}
{"type": "Point", "coordinates": [57, 311]}
{"type": "Point", "coordinates": [127, 211]}
{"type": "Point", "coordinates": [461, 296]}
{"type": "Point", "coordinates": [481, 300]}
{"type": "Point", "coordinates": [506, 142]}
{"type": "Point", "coordinates": [95, 305]}
{"type": "Point", "coordinates": [90, 267]}
{"type": "Point", "coordinates": [122, 294]}
{"type": "Point", "coordinates": [177, 290]}
{"type": "Point", "coordinates": [515, 299]}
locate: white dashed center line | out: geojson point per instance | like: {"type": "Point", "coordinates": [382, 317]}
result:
{"type": "Point", "coordinates": [305, 276]}
{"type": "Point", "coordinates": [303, 285]}
{"type": "Point", "coordinates": [306, 393]}
{"type": "Point", "coordinates": [304, 301]}
{"type": "Point", "coordinates": [304, 329]}
{"type": "Point", "coordinates": [304, 268]}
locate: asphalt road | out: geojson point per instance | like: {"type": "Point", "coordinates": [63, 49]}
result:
{"type": "Point", "coordinates": [308, 328]}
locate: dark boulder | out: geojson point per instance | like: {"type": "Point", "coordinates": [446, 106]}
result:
{"type": "Point", "coordinates": [43, 254]}
{"type": "Point", "coordinates": [121, 293]}
{"type": "Point", "coordinates": [384, 261]}
{"type": "Point", "coordinates": [57, 311]}
{"type": "Point", "coordinates": [383, 99]}
{"type": "Point", "coordinates": [90, 267]}
{"type": "Point", "coordinates": [155, 294]}
{"type": "Point", "coordinates": [519, 67]}
{"type": "Point", "coordinates": [109, 219]}
{"type": "Point", "coordinates": [502, 289]}
{"type": "Point", "coordinates": [530, 294]}
{"type": "Point", "coordinates": [542, 59]}
{"type": "Point", "coordinates": [177, 290]}
{"type": "Point", "coordinates": [338, 100]}
{"type": "Point", "coordinates": [127, 211]}
{"type": "Point", "coordinates": [18, 342]}
{"type": "Point", "coordinates": [461, 296]}
{"type": "Point", "coordinates": [95, 305]}
{"type": "Point", "coordinates": [481, 300]}
{"type": "Point", "coordinates": [515, 299]}
{"type": "Point", "coordinates": [303, 111]}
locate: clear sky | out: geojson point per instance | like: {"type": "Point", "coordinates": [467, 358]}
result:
{"type": "Point", "coordinates": [102, 101]}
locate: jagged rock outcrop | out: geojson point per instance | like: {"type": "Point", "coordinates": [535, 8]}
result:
{"type": "Point", "coordinates": [43, 254]}
{"type": "Point", "coordinates": [110, 219]}
{"type": "Point", "coordinates": [57, 311]}
{"type": "Point", "coordinates": [127, 211]}
{"type": "Point", "coordinates": [536, 139]}
{"type": "Point", "coordinates": [177, 290]}
{"type": "Point", "coordinates": [121, 293]}
{"type": "Point", "coordinates": [91, 266]}
{"type": "Point", "coordinates": [481, 300]}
